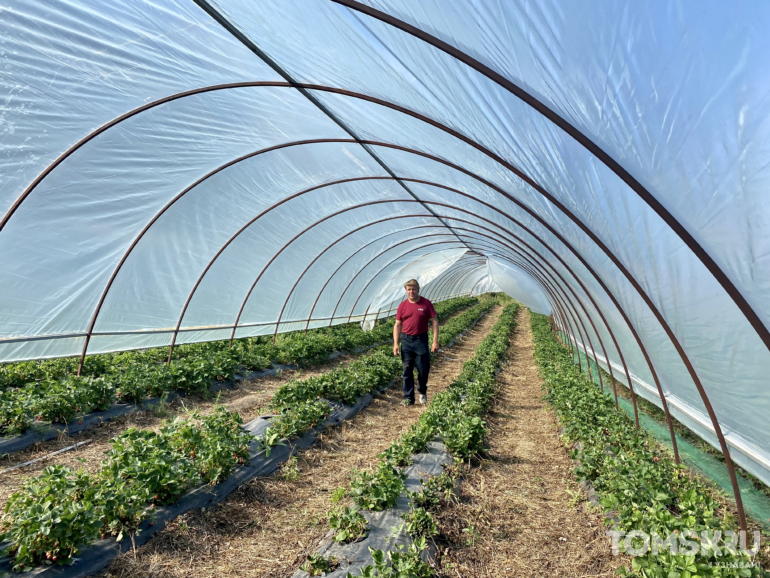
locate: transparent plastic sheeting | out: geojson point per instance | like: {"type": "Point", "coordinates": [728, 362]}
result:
{"type": "Point", "coordinates": [156, 172]}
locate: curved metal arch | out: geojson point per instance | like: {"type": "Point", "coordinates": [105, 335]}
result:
{"type": "Point", "coordinates": [633, 396]}
{"type": "Point", "coordinates": [166, 207]}
{"type": "Point", "coordinates": [315, 301]}
{"type": "Point", "coordinates": [380, 271]}
{"type": "Point", "coordinates": [470, 292]}
{"type": "Point", "coordinates": [495, 224]}
{"type": "Point", "coordinates": [550, 277]}
{"type": "Point", "coordinates": [453, 283]}
{"type": "Point", "coordinates": [569, 306]}
{"type": "Point", "coordinates": [251, 222]}
{"type": "Point", "coordinates": [641, 345]}
{"type": "Point", "coordinates": [678, 228]}
{"type": "Point", "coordinates": [377, 275]}
{"type": "Point", "coordinates": [568, 268]}
{"type": "Point", "coordinates": [117, 120]}
{"type": "Point", "coordinates": [454, 290]}
{"type": "Point", "coordinates": [721, 277]}
{"type": "Point", "coordinates": [460, 276]}
{"type": "Point", "coordinates": [558, 311]}
{"type": "Point", "coordinates": [662, 396]}
{"type": "Point", "coordinates": [458, 283]}
{"type": "Point", "coordinates": [432, 290]}
{"type": "Point", "coordinates": [367, 308]}
{"type": "Point", "coordinates": [322, 253]}
{"type": "Point", "coordinates": [237, 319]}
{"type": "Point", "coordinates": [559, 306]}
{"type": "Point", "coordinates": [349, 283]}
{"type": "Point", "coordinates": [526, 248]}
{"type": "Point", "coordinates": [443, 279]}
{"type": "Point", "coordinates": [476, 285]}
{"type": "Point", "coordinates": [521, 225]}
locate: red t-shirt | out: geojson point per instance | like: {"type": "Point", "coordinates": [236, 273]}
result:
{"type": "Point", "coordinates": [415, 316]}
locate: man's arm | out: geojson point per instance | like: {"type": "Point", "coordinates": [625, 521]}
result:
{"type": "Point", "coordinates": [434, 323]}
{"type": "Point", "coordinates": [396, 336]}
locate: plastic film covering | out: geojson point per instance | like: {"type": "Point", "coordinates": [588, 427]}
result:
{"type": "Point", "coordinates": [180, 167]}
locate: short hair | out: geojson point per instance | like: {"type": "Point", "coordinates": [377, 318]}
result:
{"type": "Point", "coordinates": [412, 282]}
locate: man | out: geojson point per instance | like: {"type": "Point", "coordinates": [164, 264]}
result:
{"type": "Point", "coordinates": [411, 328]}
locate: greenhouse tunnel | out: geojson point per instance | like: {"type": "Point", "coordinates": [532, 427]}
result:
{"type": "Point", "coordinates": [177, 171]}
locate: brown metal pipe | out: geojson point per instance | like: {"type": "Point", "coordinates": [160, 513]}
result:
{"type": "Point", "coordinates": [641, 345]}
{"type": "Point", "coordinates": [573, 310]}
{"type": "Point", "coordinates": [373, 278]}
{"type": "Point", "coordinates": [458, 280]}
{"type": "Point", "coordinates": [577, 348]}
{"type": "Point", "coordinates": [241, 230]}
{"type": "Point", "coordinates": [349, 283]}
{"type": "Point", "coordinates": [569, 287]}
{"type": "Point", "coordinates": [385, 267]}
{"type": "Point", "coordinates": [345, 236]}
{"type": "Point", "coordinates": [327, 217]}
{"type": "Point", "coordinates": [652, 202]}
{"type": "Point", "coordinates": [444, 280]}
{"type": "Point", "coordinates": [160, 213]}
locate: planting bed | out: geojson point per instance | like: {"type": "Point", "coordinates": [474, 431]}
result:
{"type": "Point", "coordinates": [393, 491]}
{"type": "Point", "coordinates": [635, 480]}
{"type": "Point", "coordinates": [270, 524]}
{"type": "Point", "coordinates": [521, 512]}
{"type": "Point", "coordinates": [48, 398]}
{"type": "Point", "coordinates": [146, 458]}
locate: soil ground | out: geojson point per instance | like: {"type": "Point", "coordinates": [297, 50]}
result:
{"type": "Point", "coordinates": [521, 513]}
{"type": "Point", "coordinates": [268, 526]}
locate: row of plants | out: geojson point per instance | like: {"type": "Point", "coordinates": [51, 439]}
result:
{"type": "Point", "coordinates": [456, 415]}
{"type": "Point", "coordinates": [301, 404]}
{"type": "Point", "coordinates": [50, 392]}
{"type": "Point", "coordinates": [682, 430]}
{"type": "Point", "coordinates": [57, 513]}
{"type": "Point", "coordinates": [637, 481]}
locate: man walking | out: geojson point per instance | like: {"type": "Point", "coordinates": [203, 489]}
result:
{"type": "Point", "coordinates": [411, 328]}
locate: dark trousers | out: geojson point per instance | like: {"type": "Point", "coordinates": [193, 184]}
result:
{"type": "Point", "coordinates": [415, 354]}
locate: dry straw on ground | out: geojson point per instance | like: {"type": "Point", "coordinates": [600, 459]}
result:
{"type": "Point", "coordinates": [268, 526]}
{"type": "Point", "coordinates": [521, 512]}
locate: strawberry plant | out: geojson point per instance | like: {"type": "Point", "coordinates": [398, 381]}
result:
{"type": "Point", "coordinates": [398, 563]}
{"type": "Point", "coordinates": [435, 491]}
{"type": "Point", "coordinates": [418, 523]}
{"type": "Point", "coordinates": [216, 442]}
{"type": "Point", "coordinates": [317, 564]}
{"type": "Point", "coordinates": [294, 421]}
{"type": "Point", "coordinates": [348, 522]}
{"type": "Point", "coordinates": [377, 490]}
{"type": "Point", "coordinates": [50, 518]}
{"type": "Point", "coordinates": [150, 462]}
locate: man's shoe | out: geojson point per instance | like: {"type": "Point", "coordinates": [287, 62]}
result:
{"type": "Point", "coordinates": [407, 402]}
{"type": "Point", "coordinates": [423, 399]}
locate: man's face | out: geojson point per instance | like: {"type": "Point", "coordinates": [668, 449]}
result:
{"type": "Point", "coordinates": [412, 292]}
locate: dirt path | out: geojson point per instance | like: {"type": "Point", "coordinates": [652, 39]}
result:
{"type": "Point", "coordinates": [248, 398]}
{"type": "Point", "coordinates": [268, 526]}
{"type": "Point", "coordinates": [521, 512]}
